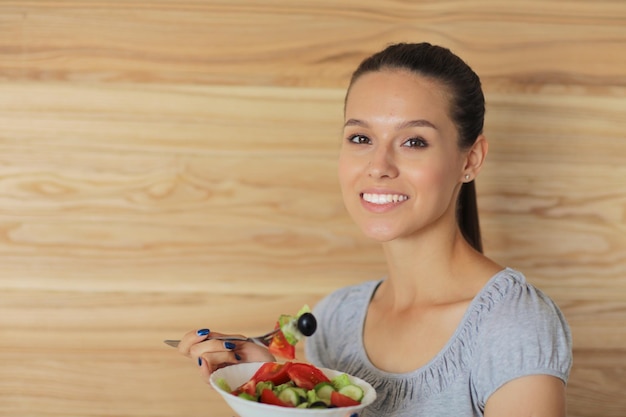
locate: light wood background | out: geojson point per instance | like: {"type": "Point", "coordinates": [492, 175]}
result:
{"type": "Point", "coordinates": [168, 165]}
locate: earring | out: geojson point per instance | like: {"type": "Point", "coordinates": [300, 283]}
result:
{"type": "Point", "coordinates": [467, 176]}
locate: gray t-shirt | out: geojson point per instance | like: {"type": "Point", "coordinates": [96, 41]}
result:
{"type": "Point", "coordinates": [511, 329]}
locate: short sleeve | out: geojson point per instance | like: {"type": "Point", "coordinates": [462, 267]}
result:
{"type": "Point", "coordinates": [523, 333]}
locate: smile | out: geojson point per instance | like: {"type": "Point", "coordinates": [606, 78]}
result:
{"type": "Point", "coordinates": [384, 198]}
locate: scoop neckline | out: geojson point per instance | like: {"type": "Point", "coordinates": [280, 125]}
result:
{"type": "Point", "coordinates": [430, 364]}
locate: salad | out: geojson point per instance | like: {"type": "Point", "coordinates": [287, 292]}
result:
{"type": "Point", "coordinates": [296, 384]}
{"type": "Point", "coordinates": [292, 329]}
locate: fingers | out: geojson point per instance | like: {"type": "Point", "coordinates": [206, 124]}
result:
{"type": "Point", "coordinates": [191, 338]}
{"type": "Point", "coordinates": [211, 360]}
{"type": "Point", "coordinates": [209, 354]}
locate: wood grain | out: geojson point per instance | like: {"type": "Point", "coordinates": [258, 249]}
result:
{"type": "Point", "coordinates": [169, 165]}
{"type": "Point", "coordinates": [218, 42]}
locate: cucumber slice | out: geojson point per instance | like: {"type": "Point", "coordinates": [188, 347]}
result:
{"type": "Point", "coordinates": [301, 392]}
{"type": "Point", "coordinates": [353, 391]}
{"type": "Point", "coordinates": [341, 381]}
{"type": "Point", "coordinates": [311, 396]}
{"type": "Point", "coordinates": [260, 386]}
{"type": "Point", "coordinates": [323, 390]}
{"type": "Point", "coordinates": [279, 388]}
{"type": "Point", "coordinates": [290, 396]}
{"type": "Point", "coordinates": [223, 385]}
{"type": "Point", "coordinates": [247, 396]}
{"type": "Point", "coordinates": [289, 325]}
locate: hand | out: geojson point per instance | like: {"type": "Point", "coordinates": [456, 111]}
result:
{"type": "Point", "coordinates": [212, 355]}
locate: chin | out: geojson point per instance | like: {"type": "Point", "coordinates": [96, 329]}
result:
{"type": "Point", "coordinates": [379, 233]}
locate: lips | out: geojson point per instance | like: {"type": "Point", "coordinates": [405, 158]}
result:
{"type": "Point", "coordinates": [375, 198]}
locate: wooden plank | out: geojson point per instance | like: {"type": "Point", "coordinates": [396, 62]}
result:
{"type": "Point", "coordinates": [514, 46]}
{"type": "Point", "coordinates": [169, 165]}
{"type": "Point", "coordinates": [168, 118]}
{"type": "Point", "coordinates": [596, 383]}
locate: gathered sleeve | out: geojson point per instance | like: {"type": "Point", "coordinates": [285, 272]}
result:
{"type": "Point", "coordinates": [525, 334]}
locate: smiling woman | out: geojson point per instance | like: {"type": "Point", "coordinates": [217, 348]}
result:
{"type": "Point", "coordinates": [448, 331]}
{"type": "Point", "coordinates": [463, 327]}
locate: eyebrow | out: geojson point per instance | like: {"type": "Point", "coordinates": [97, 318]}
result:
{"type": "Point", "coordinates": [403, 125]}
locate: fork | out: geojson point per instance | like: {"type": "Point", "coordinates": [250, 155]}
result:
{"type": "Point", "coordinates": [263, 340]}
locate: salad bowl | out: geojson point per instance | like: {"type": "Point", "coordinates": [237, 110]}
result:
{"type": "Point", "coordinates": [236, 375]}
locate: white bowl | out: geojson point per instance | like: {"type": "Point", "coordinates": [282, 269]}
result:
{"type": "Point", "coordinates": [235, 375]}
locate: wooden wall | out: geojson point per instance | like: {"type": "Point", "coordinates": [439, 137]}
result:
{"type": "Point", "coordinates": [167, 165]}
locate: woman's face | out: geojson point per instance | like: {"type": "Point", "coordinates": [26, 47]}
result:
{"type": "Point", "coordinates": [400, 167]}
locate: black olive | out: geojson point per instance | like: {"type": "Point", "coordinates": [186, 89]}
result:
{"type": "Point", "coordinates": [318, 404]}
{"type": "Point", "coordinates": [307, 324]}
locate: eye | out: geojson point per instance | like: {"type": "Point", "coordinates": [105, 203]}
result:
{"type": "Point", "coordinates": [359, 139]}
{"type": "Point", "coordinates": [415, 143]}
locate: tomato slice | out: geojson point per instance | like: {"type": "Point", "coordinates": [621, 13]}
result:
{"type": "Point", "coordinates": [306, 376]}
{"type": "Point", "coordinates": [268, 397]}
{"type": "Point", "coordinates": [280, 347]}
{"type": "Point", "coordinates": [275, 372]}
{"type": "Point", "coordinates": [341, 400]}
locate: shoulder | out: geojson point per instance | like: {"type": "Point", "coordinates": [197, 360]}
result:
{"type": "Point", "coordinates": [519, 331]}
{"type": "Point", "coordinates": [509, 298]}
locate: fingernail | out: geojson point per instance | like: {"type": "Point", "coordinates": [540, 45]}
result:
{"type": "Point", "coordinates": [203, 332]}
{"type": "Point", "coordinates": [199, 361]}
{"type": "Point", "coordinates": [239, 358]}
{"type": "Point", "coordinates": [229, 345]}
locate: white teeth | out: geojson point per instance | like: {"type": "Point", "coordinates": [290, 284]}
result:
{"type": "Point", "coordinates": [384, 198]}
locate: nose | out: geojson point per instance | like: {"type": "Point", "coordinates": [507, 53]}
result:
{"type": "Point", "coordinates": [382, 164]}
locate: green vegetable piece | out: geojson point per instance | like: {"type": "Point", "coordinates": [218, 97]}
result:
{"type": "Point", "coordinates": [340, 381]}
{"type": "Point", "coordinates": [324, 390]}
{"type": "Point", "coordinates": [279, 388]}
{"type": "Point", "coordinates": [353, 391]}
{"type": "Point", "coordinates": [290, 396]}
{"type": "Point", "coordinates": [289, 327]}
{"type": "Point", "coordinates": [246, 396]}
{"type": "Point", "coordinates": [260, 386]}
{"type": "Point", "coordinates": [301, 392]}
{"type": "Point", "coordinates": [311, 396]}
{"type": "Point", "coordinates": [223, 385]}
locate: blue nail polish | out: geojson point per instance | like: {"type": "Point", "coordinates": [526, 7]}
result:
{"type": "Point", "coordinates": [203, 332]}
{"type": "Point", "coordinates": [199, 361]}
{"type": "Point", "coordinates": [229, 345]}
{"type": "Point", "coordinates": [239, 358]}
{"type": "Point", "coordinates": [354, 415]}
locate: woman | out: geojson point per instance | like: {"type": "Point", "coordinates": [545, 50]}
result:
{"type": "Point", "coordinates": [448, 332]}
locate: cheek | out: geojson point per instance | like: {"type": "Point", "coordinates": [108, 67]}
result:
{"type": "Point", "coordinates": [436, 180]}
{"type": "Point", "coordinates": [428, 175]}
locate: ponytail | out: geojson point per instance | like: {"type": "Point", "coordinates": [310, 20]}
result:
{"type": "Point", "coordinates": [468, 215]}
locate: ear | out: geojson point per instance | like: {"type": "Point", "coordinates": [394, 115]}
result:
{"type": "Point", "coordinates": [475, 158]}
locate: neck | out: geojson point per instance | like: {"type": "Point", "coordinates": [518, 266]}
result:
{"type": "Point", "coordinates": [432, 270]}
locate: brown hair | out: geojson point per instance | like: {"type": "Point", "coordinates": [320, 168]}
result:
{"type": "Point", "coordinates": [467, 107]}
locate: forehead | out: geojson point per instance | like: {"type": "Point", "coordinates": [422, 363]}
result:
{"type": "Point", "coordinates": [397, 91]}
